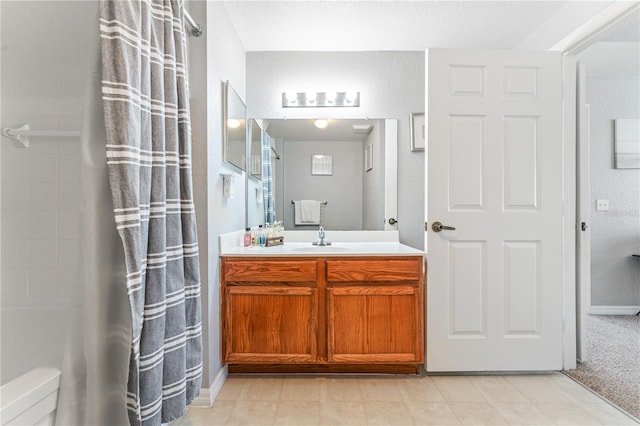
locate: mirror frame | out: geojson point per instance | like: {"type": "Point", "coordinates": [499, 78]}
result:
{"type": "Point", "coordinates": [390, 171]}
{"type": "Point", "coordinates": [226, 87]}
{"type": "Point", "coordinates": [255, 137]}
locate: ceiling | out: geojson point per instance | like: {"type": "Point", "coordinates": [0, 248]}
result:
{"type": "Point", "coordinates": [617, 54]}
{"type": "Point", "coordinates": [627, 30]}
{"type": "Point", "coordinates": [302, 130]}
{"type": "Point", "coordinates": [345, 25]}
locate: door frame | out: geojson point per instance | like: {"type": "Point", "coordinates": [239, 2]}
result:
{"type": "Point", "coordinates": [585, 36]}
{"type": "Point", "coordinates": [583, 204]}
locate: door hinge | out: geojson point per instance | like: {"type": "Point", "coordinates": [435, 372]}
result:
{"type": "Point", "coordinates": [583, 226]}
{"type": "Point", "coordinates": [426, 226]}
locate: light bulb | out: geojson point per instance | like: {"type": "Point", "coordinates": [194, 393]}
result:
{"type": "Point", "coordinates": [331, 97]}
{"type": "Point", "coordinates": [311, 97]}
{"type": "Point", "coordinates": [292, 97]}
{"type": "Point", "coordinates": [233, 123]}
{"type": "Point", "coordinates": [321, 123]}
{"type": "Point", "coordinates": [351, 96]}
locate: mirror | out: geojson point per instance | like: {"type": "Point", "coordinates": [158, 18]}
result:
{"type": "Point", "coordinates": [255, 151]}
{"type": "Point", "coordinates": [234, 127]}
{"type": "Point", "coordinates": [360, 191]}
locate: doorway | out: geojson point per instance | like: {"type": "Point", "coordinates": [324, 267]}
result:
{"type": "Point", "coordinates": [608, 217]}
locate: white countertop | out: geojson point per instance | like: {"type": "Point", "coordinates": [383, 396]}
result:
{"type": "Point", "coordinates": [344, 243]}
{"type": "Point", "coordinates": [335, 249]}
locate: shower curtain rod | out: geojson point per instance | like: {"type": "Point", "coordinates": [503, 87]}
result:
{"type": "Point", "coordinates": [195, 28]}
{"type": "Point", "coordinates": [22, 134]}
{"type": "Point", "coordinates": [275, 153]}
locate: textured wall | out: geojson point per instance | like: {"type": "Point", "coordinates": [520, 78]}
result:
{"type": "Point", "coordinates": [216, 56]}
{"type": "Point", "coordinates": [391, 85]}
{"type": "Point", "coordinates": [342, 190]}
{"type": "Point", "coordinates": [615, 235]}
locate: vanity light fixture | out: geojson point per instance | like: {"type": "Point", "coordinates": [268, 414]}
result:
{"type": "Point", "coordinates": [350, 98]}
{"type": "Point", "coordinates": [321, 123]}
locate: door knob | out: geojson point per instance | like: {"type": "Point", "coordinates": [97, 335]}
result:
{"type": "Point", "coordinates": [438, 226]}
{"type": "Point", "coordinates": [392, 221]}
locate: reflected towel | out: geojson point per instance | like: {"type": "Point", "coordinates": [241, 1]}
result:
{"type": "Point", "coordinates": [307, 212]}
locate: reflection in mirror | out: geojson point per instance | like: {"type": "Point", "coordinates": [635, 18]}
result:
{"type": "Point", "coordinates": [234, 129]}
{"type": "Point", "coordinates": [255, 180]}
{"type": "Point", "coordinates": [255, 151]}
{"type": "Point", "coordinates": [356, 197]}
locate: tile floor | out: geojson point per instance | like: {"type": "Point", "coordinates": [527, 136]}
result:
{"type": "Point", "coordinates": [551, 399]}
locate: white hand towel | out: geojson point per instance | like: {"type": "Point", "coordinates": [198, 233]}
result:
{"type": "Point", "coordinates": [307, 212]}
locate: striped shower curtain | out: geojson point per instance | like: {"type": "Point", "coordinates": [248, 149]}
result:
{"type": "Point", "coordinates": [145, 96]}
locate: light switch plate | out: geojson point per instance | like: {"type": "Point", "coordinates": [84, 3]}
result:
{"type": "Point", "coordinates": [602, 205]}
{"type": "Point", "coordinates": [227, 186]}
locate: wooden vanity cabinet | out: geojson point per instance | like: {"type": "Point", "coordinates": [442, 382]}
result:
{"type": "Point", "coordinates": [374, 311]}
{"type": "Point", "coordinates": [322, 314]}
{"type": "Point", "coordinates": [270, 311]}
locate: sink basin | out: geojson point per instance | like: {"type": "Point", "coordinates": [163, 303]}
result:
{"type": "Point", "coordinates": [326, 249]}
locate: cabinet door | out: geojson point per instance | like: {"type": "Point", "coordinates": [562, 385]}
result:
{"type": "Point", "coordinates": [369, 324]}
{"type": "Point", "coordinates": [270, 324]}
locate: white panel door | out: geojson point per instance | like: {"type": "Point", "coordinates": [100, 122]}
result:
{"type": "Point", "coordinates": [495, 174]}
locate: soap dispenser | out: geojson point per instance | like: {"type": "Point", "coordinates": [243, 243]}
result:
{"type": "Point", "coordinates": [247, 237]}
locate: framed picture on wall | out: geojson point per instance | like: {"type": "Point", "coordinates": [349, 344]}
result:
{"type": "Point", "coordinates": [321, 165]}
{"type": "Point", "coordinates": [368, 158]}
{"type": "Point", "coordinates": [627, 143]}
{"type": "Point", "coordinates": [418, 131]}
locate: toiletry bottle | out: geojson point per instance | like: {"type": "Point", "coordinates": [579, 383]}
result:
{"type": "Point", "coordinates": [247, 237]}
{"type": "Point", "coordinates": [262, 237]}
{"type": "Point", "coordinates": [254, 238]}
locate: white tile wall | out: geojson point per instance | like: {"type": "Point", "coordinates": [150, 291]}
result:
{"type": "Point", "coordinates": [68, 253]}
{"type": "Point", "coordinates": [15, 282]}
{"type": "Point", "coordinates": [15, 195]}
{"type": "Point", "coordinates": [43, 225]}
{"type": "Point", "coordinates": [15, 226]}
{"type": "Point", "coordinates": [14, 253]}
{"type": "Point", "coordinates": [69, 196]}
{"type": "Point", "coordinates": [43, 282]}
{"type": "Point", "coordinates": [40, 190]}
{"type": "Point", "coordinates": [43, 167]}
{"type": "Point", "coordinates": [14, 163]}
{"type": "Point", "coordinates": [68, 279]}
{"type": "Point", "coordinates": [68, 168]}
{"type": "Point", "coordinates": [68, 225]}
{"type": "Point", "coordinates": [43, 254]}
{"type": "Point", "coordinates": [43, 196]}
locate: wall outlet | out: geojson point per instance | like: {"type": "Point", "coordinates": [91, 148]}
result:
{"type": "Point", "coordinates": [602, 205]}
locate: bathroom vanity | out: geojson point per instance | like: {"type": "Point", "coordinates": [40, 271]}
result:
{"type": "Point", "coordinates": [348, 307]}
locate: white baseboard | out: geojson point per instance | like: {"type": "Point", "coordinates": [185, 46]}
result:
{"type": "Point", "coordinates": [614, 310]}
{"type": "Point", "coordinates": [208, 395]}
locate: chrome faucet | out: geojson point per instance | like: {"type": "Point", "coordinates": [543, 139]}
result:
{"type": "Point", "coordinates": [321, 241]}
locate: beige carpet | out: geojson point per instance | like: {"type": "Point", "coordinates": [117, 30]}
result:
{"type": "Point", "coordinates": [612, 367]}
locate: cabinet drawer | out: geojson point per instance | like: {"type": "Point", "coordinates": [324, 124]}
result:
{"type": "Point", "coordinates": [380, 270]}
{"type": "Point", "coordinates": [282, 271]}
